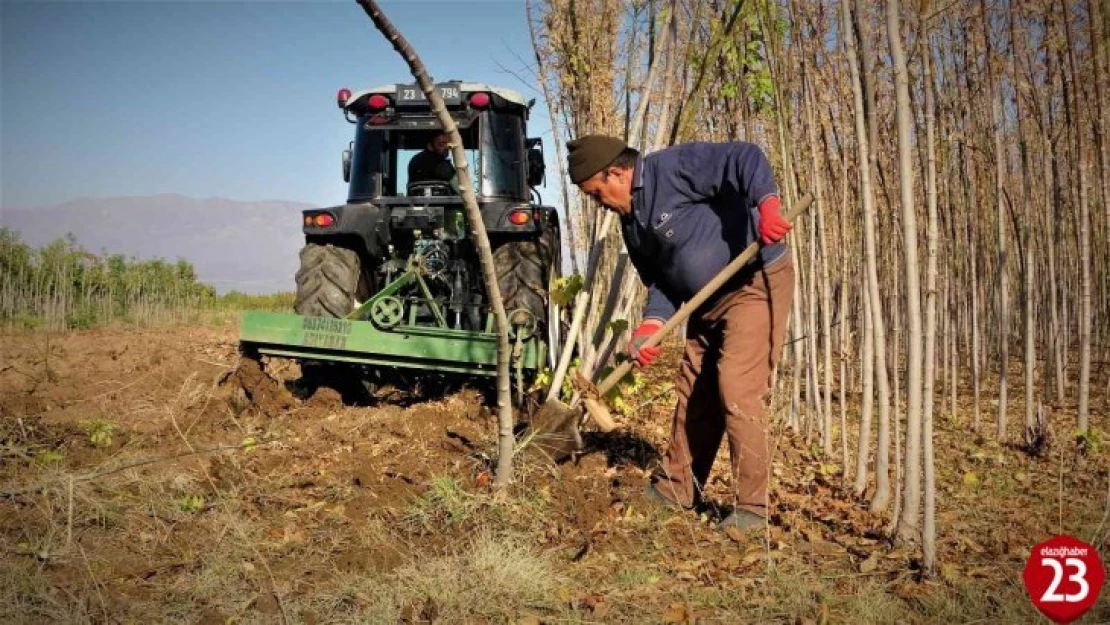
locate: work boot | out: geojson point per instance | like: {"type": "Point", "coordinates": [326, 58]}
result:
{"type": "Point", "coordinates": [742, 520]}
{"type": "Point", "coordinates": [653, 495]}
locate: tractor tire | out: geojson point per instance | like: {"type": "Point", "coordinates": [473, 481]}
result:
{"type": "Point", "coordinates": [330, 282]}
{"type": "Point", "coordinates": [525, 269]}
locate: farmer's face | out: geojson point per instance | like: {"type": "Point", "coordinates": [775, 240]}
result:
{"type": "Point", "coordinates": [612, 187]}
{"type": "Point", "coordinates": [440, 144]}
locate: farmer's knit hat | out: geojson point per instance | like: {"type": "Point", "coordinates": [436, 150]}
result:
{"type": "Point", "coordinates": [590, 154]}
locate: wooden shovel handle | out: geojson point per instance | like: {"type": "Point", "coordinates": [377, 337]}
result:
{"type": "Point", "coordinates": [699, 298]}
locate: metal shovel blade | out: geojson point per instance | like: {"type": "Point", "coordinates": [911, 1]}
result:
{"type": "Point", "coordinates": [554, 430]}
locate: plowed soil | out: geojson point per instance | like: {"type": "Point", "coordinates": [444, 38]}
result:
{"type": "Point", "coordinates": [150, 476]}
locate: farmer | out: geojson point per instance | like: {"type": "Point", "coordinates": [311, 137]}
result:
{"type": "Point", "coordinates": [432, 163]}
{"type": "Point", "coordinates": [685, 212]}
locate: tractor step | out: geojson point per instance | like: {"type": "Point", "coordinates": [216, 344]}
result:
{"type": "Point", "coordinates": [443, 350]}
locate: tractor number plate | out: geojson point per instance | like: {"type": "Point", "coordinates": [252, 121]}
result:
{"type": "Point", "coordinates": [412, 94]}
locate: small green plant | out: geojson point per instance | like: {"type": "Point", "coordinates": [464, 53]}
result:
{"type": "Point", "coordinates": [543, 379]}
{"type": "Point", "coordinates": [49, 457]}
{"type": "Point", "coordinates": [622, 396]}
{"type": "Point", "coordinates": [445, 502]}
{"type": "Point", "coordinates": [190, 503]}
{"type": "Point", "coordinates": [565, 288]}
{"type": "Point", "coordinates": [1090, 442]}
{"type": "Point", "coordinates": [618, 326]}
{"type": "Point", "coordinates": [101, 433]}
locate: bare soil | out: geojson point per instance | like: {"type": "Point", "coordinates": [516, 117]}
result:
{"type": "Point", "coordinates": [147, 477]}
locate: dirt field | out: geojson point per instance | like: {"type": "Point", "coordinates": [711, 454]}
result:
{"type": "Point", "coordinates": [137, 488]}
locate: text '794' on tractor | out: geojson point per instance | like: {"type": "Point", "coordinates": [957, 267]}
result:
{"type": "Point", "coordinates": [390, 289]}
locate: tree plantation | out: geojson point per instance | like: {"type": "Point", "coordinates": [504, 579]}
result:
{"type": "Point", "coordinates": [957, 153]}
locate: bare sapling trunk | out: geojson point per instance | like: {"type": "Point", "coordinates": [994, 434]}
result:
{"type": "Point", "coordinates": [1084, 226]}
{"type": "Point", "coordinates": [552, 113]}
{"type": "Point", "coordinates": [866, 147]}
{"type": "Point", "coordinates": [1003, 334]}
{"type": "Point", "coordinates": [1026, 242]}
{"type": "Point", "coordinates": [928, 534]}
{"type": "Point", "coordinates": [869, 294]}
{"type": "Point", "coordinates": [505, 439]}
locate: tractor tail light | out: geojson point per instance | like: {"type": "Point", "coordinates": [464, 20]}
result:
{"type": "Point", "coordinates": [343, 97]}
{"type": "Point", "coordinates": [520, 217]}
{"type": "Point", "coordinates": [319, 220]}
{"type": "Point", "coordinates": [377, 102]}
{"type": "Point", "coordinates": [479, 100]}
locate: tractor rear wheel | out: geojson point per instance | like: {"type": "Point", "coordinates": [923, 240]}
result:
{"type": "Point", "coordinates": [330, 281]}
{"type": "Point", "coordinates": [525, 270]}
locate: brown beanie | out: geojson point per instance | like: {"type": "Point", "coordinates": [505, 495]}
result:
{"type": "Point", "coordinates": [590, 154]}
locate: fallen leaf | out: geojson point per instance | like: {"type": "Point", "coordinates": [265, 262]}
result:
{"type": "Point", "coordinates": [870, 564]}
{"type": "Point", "coordinates": [677, 613]}
{"type": "Point", "coordinates": [971, 479]}
{"type": "Point", "coordinates": [736, 534]}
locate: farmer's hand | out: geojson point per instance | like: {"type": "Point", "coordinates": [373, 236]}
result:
{"type": "Point", "coordinates": [641, 354]}
{"type": "Point", "coordinates": [772, 225]}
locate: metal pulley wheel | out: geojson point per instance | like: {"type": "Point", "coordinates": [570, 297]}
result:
{"type": "Point", "coordinates": [522, 324]}
{"type": "Point", "coordinates": [387, 312]}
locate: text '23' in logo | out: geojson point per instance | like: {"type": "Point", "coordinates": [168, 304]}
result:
{"type": "Point", "coordinates": [1064, 577]}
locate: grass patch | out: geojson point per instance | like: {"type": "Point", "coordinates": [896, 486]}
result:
{"type": "Point", "coordinates": [444, 503]}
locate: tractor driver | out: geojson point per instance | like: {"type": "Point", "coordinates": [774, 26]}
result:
{"type": "Point", "coordinates": [431, 164]}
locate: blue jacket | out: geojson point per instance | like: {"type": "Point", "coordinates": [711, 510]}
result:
{"type": "Point", "coordinates": [695, 207]}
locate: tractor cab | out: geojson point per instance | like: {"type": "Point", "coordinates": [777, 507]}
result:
{"type": "Point", "coordinates": [395, 123]}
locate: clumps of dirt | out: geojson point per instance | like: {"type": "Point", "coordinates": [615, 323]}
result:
{"type": "Point", "coordinates": [252, 386]}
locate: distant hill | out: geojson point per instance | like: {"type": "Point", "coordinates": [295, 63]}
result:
{"type": "Point", "coordinates": [234, 245]}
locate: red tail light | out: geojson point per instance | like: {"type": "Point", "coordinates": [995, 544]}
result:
{"type": "Point", "coordinates": [343, 97]}
{"type": "Point", "coordinates": [479, 100]}
{"type": "Point", "coordinates": [377, 102]}
{"type": "Point", "coordinates": [520, 218]}
{"type": "Point", "coordinates": [319, 220]}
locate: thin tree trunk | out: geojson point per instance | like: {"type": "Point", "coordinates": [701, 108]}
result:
{"type": "Point", "coordinates": [874, 343]}
{"type": "Point", "coordinates": [868, 160]}
{"type": "Point", "coordinates": [1084, 227]}
{"type": "Point", "coordinates": [911, 491]}
{"type": "Point", "coordinates": [569, 215]}
{"type": "Point", "coordinates": [1030, 355]}
{"type": "Point", "coordinates": [928, 534]}
{"type": "Point", "coordinates": [1003, 275]}
{"type": "Point", "coordinates": [505, 439]}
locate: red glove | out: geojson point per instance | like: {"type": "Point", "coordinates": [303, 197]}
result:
{"type": "Point", "coordinates": [772, 225]}
{"type": "Point", "coordinates": [641, 354]}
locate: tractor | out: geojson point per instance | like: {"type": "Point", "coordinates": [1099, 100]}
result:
{"type": "Point", "coordinates": [389, 289]}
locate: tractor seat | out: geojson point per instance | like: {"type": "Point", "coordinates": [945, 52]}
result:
{"type": "Point", "coordinates": [430, 188]}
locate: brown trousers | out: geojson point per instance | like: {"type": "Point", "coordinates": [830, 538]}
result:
{"type": "Point", "coordinates": [723, 384]}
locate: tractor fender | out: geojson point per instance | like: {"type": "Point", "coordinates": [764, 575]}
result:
{"type": "Point", "coordinates": [362, 221]}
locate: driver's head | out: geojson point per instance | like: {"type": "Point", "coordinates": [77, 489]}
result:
{"type": "Point", "coordinates": [440, 144]}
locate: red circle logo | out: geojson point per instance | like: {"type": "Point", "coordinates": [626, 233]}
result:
{"type": "Point", "coordinates": [1064, 578]}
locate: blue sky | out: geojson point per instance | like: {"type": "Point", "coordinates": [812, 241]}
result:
{"type": "Point", "coordinates": [219, 99]}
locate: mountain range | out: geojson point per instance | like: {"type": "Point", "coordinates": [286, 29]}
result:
{"type": "Point", "coordinates": [234, 245]}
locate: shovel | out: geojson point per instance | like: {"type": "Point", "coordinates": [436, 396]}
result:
{"type": "Point", "coordinates": [555, 425]}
